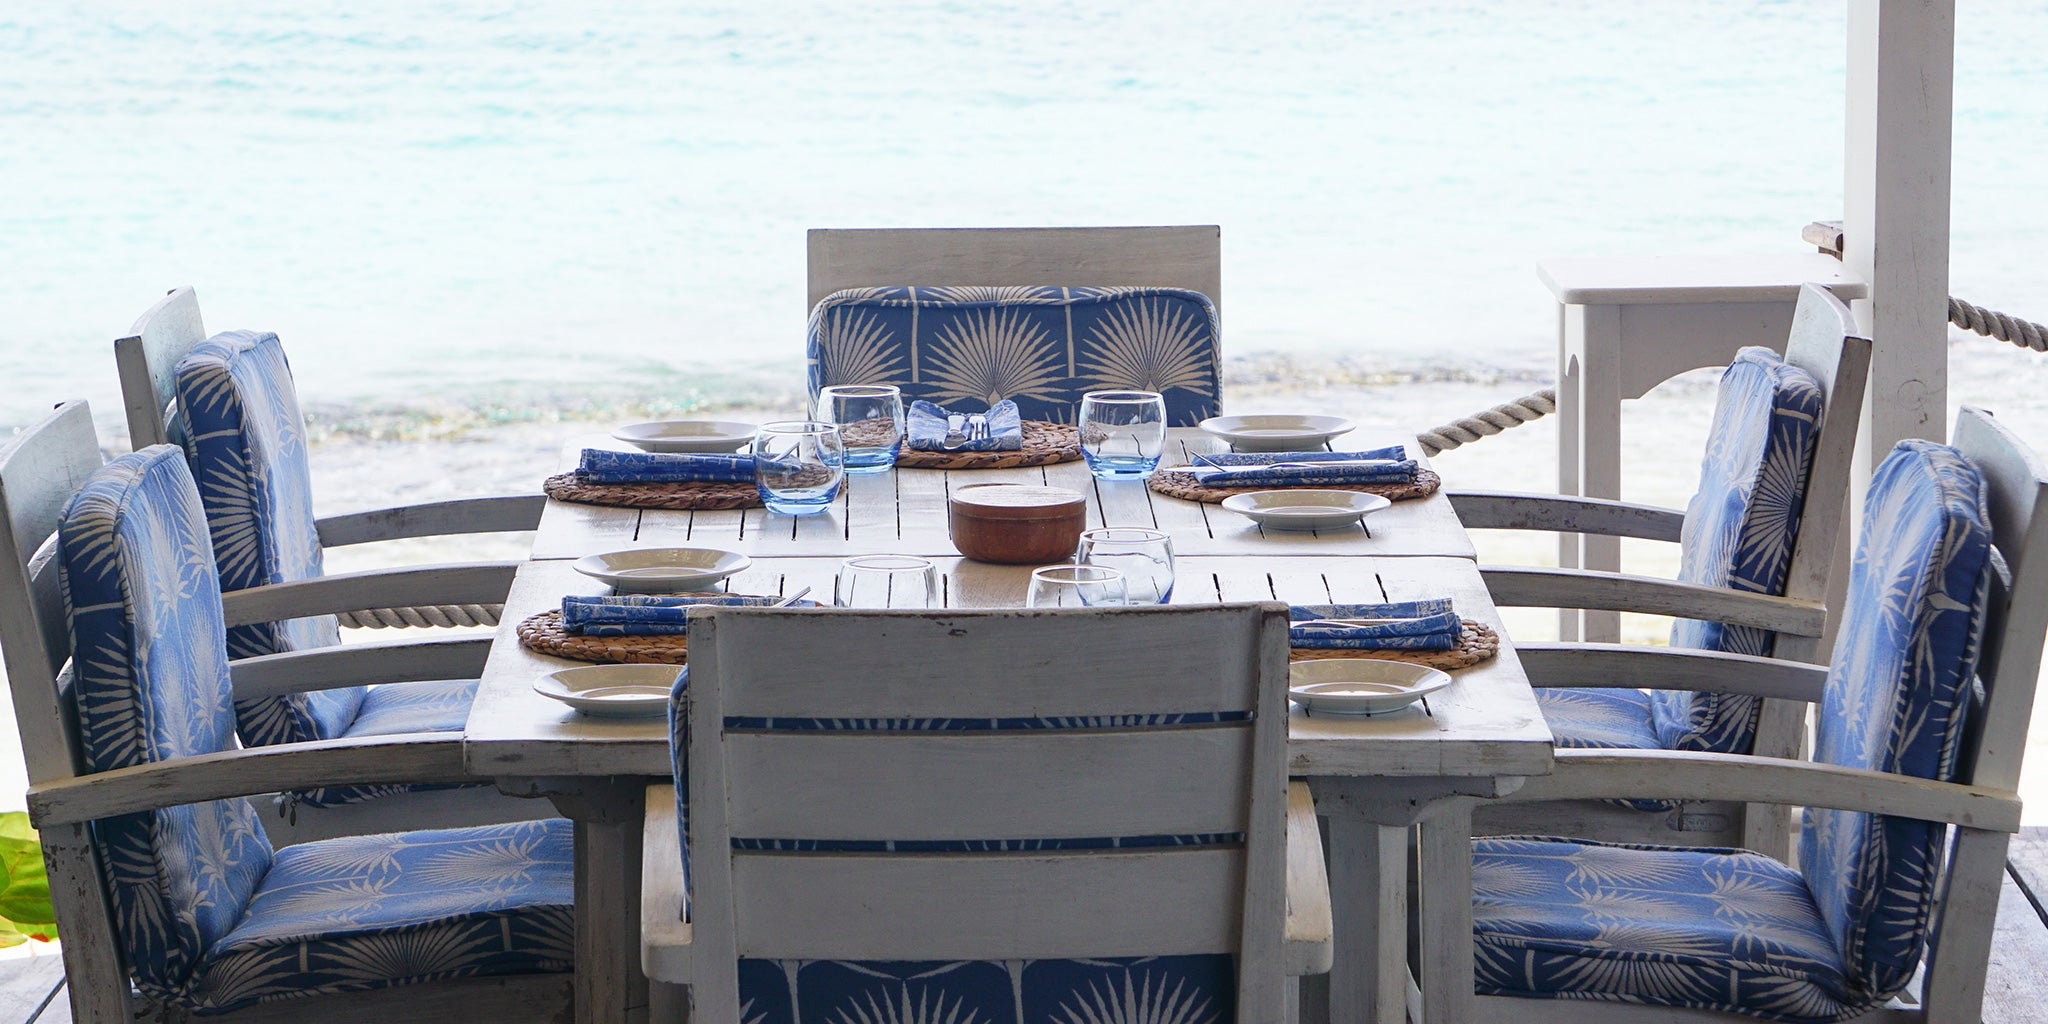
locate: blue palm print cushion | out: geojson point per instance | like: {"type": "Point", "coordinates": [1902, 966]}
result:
{"type": "Point", "coordinates": [208, 915]}
{"type": "Point", "coordinates": [1738, 533]}
{"type": "Point", "coordinates": [1732, 930]}
{"type": "Point", "coordinates": [1042, 347]}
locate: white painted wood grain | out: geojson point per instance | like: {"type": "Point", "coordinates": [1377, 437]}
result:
{"type": "Point", "coordinates": [499, 514]}
{"type": "Point", "coordinates": [1174, 257]}
{"type": "Point", "coordinates": [452, 583]}
{"type": "Point", "coordinates": [147, 357]}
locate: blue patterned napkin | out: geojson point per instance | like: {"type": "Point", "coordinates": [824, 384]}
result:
{"type": "Point", "coordinates": [1393, 452]}
{"type": "Point", "coordinates": [927, 428]}
{"type": "Point", "coordinates": [649, 614]}
{"type": "Point", "coordinates": [599, 466]}
{"type": "Point", "coordinates": [1346, 468]}
{"type": "Point", "coordinates": [1427, 626]}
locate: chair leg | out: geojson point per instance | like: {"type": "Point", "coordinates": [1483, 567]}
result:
{"type": "Point", "coordinates": [1445, 873]}
{"type": "Point", "coordinates": [94, 979]}
{"type": "Point", "coordinates": [1960, 948]}
{"type": "Point", "coordinates": [1369, 883]}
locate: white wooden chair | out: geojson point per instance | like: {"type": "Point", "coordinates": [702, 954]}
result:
{"type": "Point", "coordinates": [1083, 810]}
{"type": "Point", "coordinates": [1909, 745]}
{"type": "Point", "coordinates": [1189, 257]}
{"type": "Point", "coordinates": [1752, 529]}
{"type": "Point", "coordinates": [159, 872]}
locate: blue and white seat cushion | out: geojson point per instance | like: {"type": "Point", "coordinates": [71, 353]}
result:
{"type": "Point", "coordinates": [1194, 989]}
{"type": "Point", "coordinates": [1042, 347]}
{"type": "Point", "coordinates": [1732, 930]}
{"type": "Point", "coordinates": [1739, 531]}
{"type": "Point", "coordinates": [202, 904]}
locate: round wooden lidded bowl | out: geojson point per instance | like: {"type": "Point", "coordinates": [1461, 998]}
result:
{"type": "Point", "coordinates": [1016, 524]}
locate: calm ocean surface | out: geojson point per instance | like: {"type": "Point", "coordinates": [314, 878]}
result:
{"type": "Point", "coordinates": [520, 205]}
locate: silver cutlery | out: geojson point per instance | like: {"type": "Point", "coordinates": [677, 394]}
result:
{"type": "Point", "coordinates": [956, 431]}
{"type": "Point", "coordinates": [1355, 623]}
{"type": "Point", "coordinates": [792, 599]}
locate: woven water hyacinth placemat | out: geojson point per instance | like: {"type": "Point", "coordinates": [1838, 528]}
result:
{"type": "Point", "coordinates": [1045, 444]}
{"type": "Point", "coordinates": [1178, 482]}
{"type": "Point", "coordinates": [681, 496]}
{"type": "Point", "coordinates": [544, 633]}
{"type": "Point", "coordinates": [1476, 643]}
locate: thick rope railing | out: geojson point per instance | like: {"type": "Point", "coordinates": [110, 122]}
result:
{"type": "Point", "coordinates": [2024, 333]}
{"type": "Point", "coordinates": [445, 616]}
{"type": "Point", "coordinates": [1488, 422]}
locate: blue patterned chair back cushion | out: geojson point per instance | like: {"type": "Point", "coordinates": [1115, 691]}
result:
{"type": "Point", "coordinates": [1898, 693]}
{"type": "Point", "coordinates": [1739, 531]}
{"type": "Point", "coordinates": [1042, 347]}
{"type": "Point", "coordinates": [152, 684]}
{"type": "Point", "coordinates": [1195, 989]}
{"type": "Point", "coordinates": [240, 415]}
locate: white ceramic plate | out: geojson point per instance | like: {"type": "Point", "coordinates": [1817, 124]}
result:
{"type": "Point", "coordinates": [662, 570]}
{"type": "Point", "coordinates": [1360, 686]}
{"type": "Point", "coordinates": [687, 435]}
{"type": "Point", "coordinates": [612, 691]}
{"type": "Point", "coordinates": [1277, 433]}
{"type": "Point", "coordinates": [1305, 509]}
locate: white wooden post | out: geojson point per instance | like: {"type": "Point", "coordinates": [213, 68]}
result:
{"type": "Point", "coordinates": [1896, 217]}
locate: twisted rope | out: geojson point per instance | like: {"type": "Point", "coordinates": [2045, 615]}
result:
{"type": "Point", "coordinates": [2023, 333]}
{"type": "Point", "coordinates": [445, 616]}
{"type": "Point", "coordinates": [1488, 422]}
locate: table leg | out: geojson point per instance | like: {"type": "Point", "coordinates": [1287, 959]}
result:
{"type": "Point", "coordinates": [607, 814]}
{"type": "Point", "coordinates": [1445, 840]}
{"type": "Point", "coordinates": [1369, 974]}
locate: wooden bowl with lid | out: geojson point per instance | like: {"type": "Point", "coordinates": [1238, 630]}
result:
{"type": "Point", "coordinates": [1016, 524]}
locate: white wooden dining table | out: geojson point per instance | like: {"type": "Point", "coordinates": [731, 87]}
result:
{"type": "Point", "coordinates": [1374, 778]}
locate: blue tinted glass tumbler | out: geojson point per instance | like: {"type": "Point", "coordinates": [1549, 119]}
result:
{"type": "Point", "coordinates": [870, 421]}
{"type": "Point", "coordinates": [798, 466]}
{"type": "Point", "coordinates": [1122, 433]}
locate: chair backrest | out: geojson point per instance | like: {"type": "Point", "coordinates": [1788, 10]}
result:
{"type": "Point", "coordinates": [1188, 257]}
{"type": "Point", "coordinates": [977, 811]}
{"type": "Point", "coordinates": [147, 357]}
{"type": "Point", "coordinates": [1768, 514]}
{"type": "Point", "coordinates": [150, 658]}
{"type": "Point", "coordinates": [39, 472]}
{"type": "Point", "coordinates": [1908, 692]}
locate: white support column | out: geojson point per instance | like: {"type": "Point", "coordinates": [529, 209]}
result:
{"type": "Point", "coordinates": [1896, 213]}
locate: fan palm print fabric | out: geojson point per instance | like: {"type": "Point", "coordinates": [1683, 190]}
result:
{"type": "Point", "coordinates": [208, 915]}
{"type": "Point", "coordinates": [1732, 930]}
{"type": "Point", "coordinates": [1739, 531]}
{"type": "Point", "coordinates": [1183, 989]}
{"type": "Point", "coordinates": [1042, 347]}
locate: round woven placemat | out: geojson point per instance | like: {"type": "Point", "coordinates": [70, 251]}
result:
{"type": "Point", "coordinates": [1045, 444]}
{"type": "Point", "coordinates": [1476, 642]}
{"type": "Point", "coordinates": [1179, 483]}
{"type": "Point", "coordinates": [698, 496]}
{"type": "Point", "coordinates": [544, 633]}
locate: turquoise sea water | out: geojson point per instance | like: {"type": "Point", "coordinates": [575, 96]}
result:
{"type": "Point", "coordinates": [547, 204]}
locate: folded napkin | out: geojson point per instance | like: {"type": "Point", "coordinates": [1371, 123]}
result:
{"type": "Point", "coordinates": [1393, 452]}
{"type": "Point", "coordinates": [1348, 469]}
{"type": "Point", "coordinates": [1424, 626]}
{"type": "Point", "coordinates": [927, 428]}
{"type": "Point", "coordinates": [599, 466]}
{"type": "Point", "coordinates": [649, 614]}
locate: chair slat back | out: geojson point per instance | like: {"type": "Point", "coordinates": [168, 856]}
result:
{"type": "Point", "coordinates": [988, 786]}
{"type": "Point", "coordinates": [39, 472]}
{"type": "Point", "coordinates": [1176, 257]}
{"type": "Point", "coordinates": [1826, 342]}
{"type": "Point", "coordinates": [147, 358]}
{"type": "Point", "coordinates": [2016, 619]}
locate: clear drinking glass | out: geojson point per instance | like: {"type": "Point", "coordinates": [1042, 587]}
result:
{"type": "Point", "coordinates": [1145, 557]}
{"type": "Point", "coordinates": [798, 466]}
{"type": "Point", "coordinates": [1122, 433]}
{"type": "Point", "coordinates": [886, 581]}
{"type": "Point", "coordinates": [1075, 586]}
{"type": "Point", "coordinates": [870, 421]}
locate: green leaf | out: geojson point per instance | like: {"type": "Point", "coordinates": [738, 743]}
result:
{"type": "Point", "coordinates": [24, 883]}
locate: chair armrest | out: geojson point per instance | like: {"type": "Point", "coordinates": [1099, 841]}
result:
{"type": "Point", "coordinates": [504, 513]}
{"type": "Point", "coordinates": [1559, 513]}
{"type": "Point", "coordinates": [1693, 775]}
{"type": "Point", "coordinates": [366, 760]}
{"type": "Point", "coordinates": [455, 583]}
{"type": "Point", "coordinates": [382, 661]}
{"type": "Point", "coordinates": [1307, 947]}
{"type": "Point", "coordinates": [665, 931]}
{"type": "Point", "coordinates": [1516, 586]}
{"type": "Point", "coordinates": [1570, 665]}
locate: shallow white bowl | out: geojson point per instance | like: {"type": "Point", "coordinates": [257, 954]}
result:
{"type": "Point", "coordinates": [1305, 509]}
{"type": "Point", "coordinates": [612, 691]}
{"type": "Point", "coordinates": [687, 435]}
{"type": "Point", "coordinates": [662, 570]}
{"type": "Point", "coordinates": [1277, 433]}
{"type": "Point", "coordinates": [1360, 686]}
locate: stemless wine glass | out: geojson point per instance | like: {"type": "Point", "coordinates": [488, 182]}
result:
{"type": "Point", "coordinates": [1145, 557]}
{"type": "Point", "coordinates": [1122, 433]}
{"type": "Point", "coordinates": [870, 421]}
{"type": "Point", "coordinates": [886, 581]}
{"type": "Point", "coordinates": [798, 466]}
{"type": "Point", "coordinates": [1075, 586]}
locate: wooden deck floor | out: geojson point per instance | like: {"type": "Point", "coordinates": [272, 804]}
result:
{"type": "Point", "coordinates": [32, 990]}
